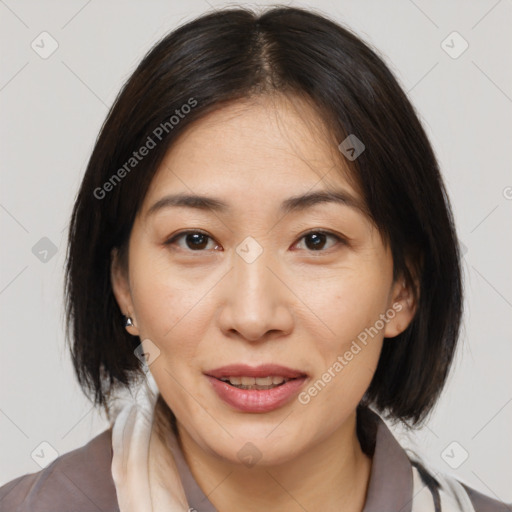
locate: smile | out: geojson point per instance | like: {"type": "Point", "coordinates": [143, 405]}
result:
{"type": "Point", "coordinates": [256, 389]}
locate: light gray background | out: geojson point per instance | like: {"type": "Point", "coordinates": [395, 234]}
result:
{"type": "Point", "coordinates": [52, 110]}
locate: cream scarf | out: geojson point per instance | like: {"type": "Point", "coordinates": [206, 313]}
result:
{"type": "Point", "coordinates": [147, 479]}
{"type": "Point", "coordinates": [143, 470]}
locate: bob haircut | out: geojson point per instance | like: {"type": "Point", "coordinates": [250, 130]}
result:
{"type": "Point", "coordinates": [228, 56]}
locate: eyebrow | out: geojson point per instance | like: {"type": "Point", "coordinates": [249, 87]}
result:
{"type": "Point", "coordinates": [292, 204]}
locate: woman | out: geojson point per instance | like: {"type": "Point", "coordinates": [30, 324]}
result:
{"type": "Point", "coordinates": [263, 254]}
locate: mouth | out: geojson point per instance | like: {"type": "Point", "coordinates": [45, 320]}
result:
{"type": "Point", "coordinates": [256, 389]}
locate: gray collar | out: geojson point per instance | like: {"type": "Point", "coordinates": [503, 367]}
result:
{"type": "Point", "coordinates": [391, 480]}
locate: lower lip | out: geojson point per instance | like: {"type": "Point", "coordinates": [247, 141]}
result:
{"type": "Point", "coordinates": [257, 400]}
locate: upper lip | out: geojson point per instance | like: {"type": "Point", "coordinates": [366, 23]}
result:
{"type": "Point", "coordinates": [264, 370]}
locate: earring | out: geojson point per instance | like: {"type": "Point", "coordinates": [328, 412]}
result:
{"type": "Point", "coordinates": [128, 321]}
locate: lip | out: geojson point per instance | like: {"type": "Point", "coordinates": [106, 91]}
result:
{"type": "Point", "coordinates": [264, 370]}
{"type": "Point", "coordinates": [255, 400]}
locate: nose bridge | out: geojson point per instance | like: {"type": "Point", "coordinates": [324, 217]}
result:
{"type": "Point", "coordinates": [256, 302]}
{"type": "Point", "coordinates": [253, 281]}
{"type": "Point", "coordinates": [251, 273]}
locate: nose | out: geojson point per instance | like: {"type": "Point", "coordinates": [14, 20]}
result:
{"type": "Point", "coordinates": [257, 301]}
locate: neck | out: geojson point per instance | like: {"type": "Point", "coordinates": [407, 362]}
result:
{"type": "Point", "coordinates": [332, 475]}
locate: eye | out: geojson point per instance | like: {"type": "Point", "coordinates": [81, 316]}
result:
{"type": "Point", "coordinates": [316, 240]}
{"type": "Point", "coordinates": [198, 241]}
{"type": "Point", "coordinates": [194, 240]}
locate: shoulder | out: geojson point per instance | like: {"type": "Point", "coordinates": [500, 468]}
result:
{"type": "Point", "coordinates": [80, 480]}
{"type": "Point", "coordinates": [483, 503]}
{"type": "Point", "coordinates": [400, 475]}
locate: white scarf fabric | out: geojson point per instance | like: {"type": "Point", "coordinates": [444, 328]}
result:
{"type": "Point", "coordinates": [144, 472]}
{"type": "Point", "coordinates": [453, 496]}
{"type": "Point", "coordinates": [147, 479]}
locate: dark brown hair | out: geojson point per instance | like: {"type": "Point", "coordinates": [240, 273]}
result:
{"type": "Point", "coordinates": [231, 55]}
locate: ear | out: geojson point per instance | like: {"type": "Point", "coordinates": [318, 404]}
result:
{"type": "Point", "coordinates": [121, 290]}
{"type": "Point", "coordinates": [404, 306]}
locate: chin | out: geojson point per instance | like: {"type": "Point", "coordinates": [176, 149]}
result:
{"type": "Point", "coordinates": [253, 445]}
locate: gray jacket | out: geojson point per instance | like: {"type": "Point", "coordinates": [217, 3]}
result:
{"type": "Point", "coordinates": [81, 481]}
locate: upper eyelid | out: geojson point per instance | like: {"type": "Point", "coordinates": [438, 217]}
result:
{"type": "Point", "coordinates": [187, 232]}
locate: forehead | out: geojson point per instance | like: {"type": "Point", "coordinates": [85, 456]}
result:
{"type": "Point", "coordinates": [260, 149]}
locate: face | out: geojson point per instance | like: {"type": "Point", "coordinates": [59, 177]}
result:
{"type": "Point", "coordinates": [259, 281]}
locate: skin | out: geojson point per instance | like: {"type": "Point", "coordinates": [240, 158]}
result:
{"type": "Point", "coordinates": [298, 304]}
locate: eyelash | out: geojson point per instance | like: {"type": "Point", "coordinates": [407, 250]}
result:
{"type": "Point", "coordinates": [338, 238]}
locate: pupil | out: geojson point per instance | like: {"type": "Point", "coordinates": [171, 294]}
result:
{"type": "Point", "coordinates": [318, 240]}
{"type": "Point", "coordinates": [197, 237]}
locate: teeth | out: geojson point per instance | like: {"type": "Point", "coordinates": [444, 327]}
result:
{"type": "Point", "coordinates": [258, 381]}
{"type": "Point", "coordinates": [263, 381]}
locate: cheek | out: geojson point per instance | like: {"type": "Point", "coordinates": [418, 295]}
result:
{"type": "Point", "coordinates": [334, 393]}
{"type": "Point", "coordinates": [349, 306]}
{"type": "Point", "coordinates": [165, 298]}
{"type": "Point", "coordinates": [347, 302]}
